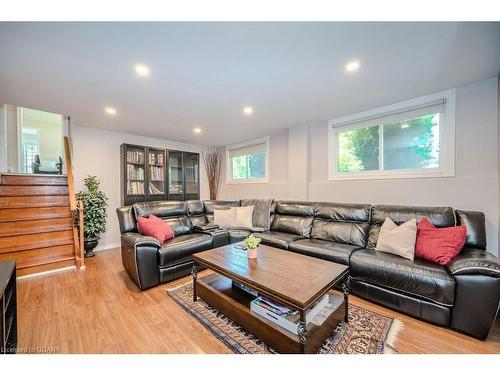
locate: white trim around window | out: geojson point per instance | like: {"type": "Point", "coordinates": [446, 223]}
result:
{"type": "Point", "coordinates": [444, 100]}
{"type": "Point", "coordinates": [247, 148]}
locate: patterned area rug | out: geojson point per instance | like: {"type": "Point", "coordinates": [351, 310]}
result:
{"type": "Point", "coordinates": [367, 332]}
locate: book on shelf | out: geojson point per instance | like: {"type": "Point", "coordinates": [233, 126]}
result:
{"type": "Point", "coordinates": [156, 173]}
{"type": "Point", "coordinates": [289, 318]}
{"type": "Point", "coordinates": [134, 173]}
{"type": "Point", "coordinates": [156, 158]}
{"type": "Point", "coordinates": [136, 157]}
{"type": "Point", "coordinates": [153, 189]}
{"type": "Point", "coordinates": [135, 187]}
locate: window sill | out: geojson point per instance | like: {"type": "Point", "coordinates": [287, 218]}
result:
{"type": "Point", "coordinates": [237, 182]}
{"type": "Point", "coordinates": [401, 175]}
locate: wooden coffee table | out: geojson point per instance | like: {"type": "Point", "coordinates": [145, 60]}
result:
{"type": "Point", "coordinates": [295, 280]}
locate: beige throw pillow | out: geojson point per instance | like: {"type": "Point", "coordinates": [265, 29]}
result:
{"type": "Point", "coordinates": [224, 218]}
{"type": "Point", "coordinates": [398, 240]}
{"type": "Point", "coordinates": [243, 217]}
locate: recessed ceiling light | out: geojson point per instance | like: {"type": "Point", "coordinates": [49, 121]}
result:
{"type": "Point", "coordinates": [352, 66]}
{"type": "Point", "coordinates": [110, 111]}
{"type": "Point", "coordinates": [404, 126]}
{"type": "Point", "coordinates": [248, 110]}
{"type": "Point", "coordinates": [142, 70]}
{"type": "Point", "coordinates": [197, 130]}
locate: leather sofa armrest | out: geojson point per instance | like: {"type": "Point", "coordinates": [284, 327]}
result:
{"type": "Point", "coordinates": [137, 239]}
{"type": "Point", "coordinates": [140, 259]}
{"type": "Point", "coordinates": [475, 262]}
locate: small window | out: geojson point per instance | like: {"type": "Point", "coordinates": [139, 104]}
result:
{"type": "Point", "coordinates": [405, 140]}
{"type": "Point", "coordinates": [248, 162]}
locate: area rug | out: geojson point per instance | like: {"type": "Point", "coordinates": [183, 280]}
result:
{"type": "Point", "coordinates": [367, 332]}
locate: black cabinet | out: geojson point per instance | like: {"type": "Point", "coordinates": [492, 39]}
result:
{"type": "Point", "coordinates": [153, 174]}
{"type": "Point", "coordinates": [8, 307]}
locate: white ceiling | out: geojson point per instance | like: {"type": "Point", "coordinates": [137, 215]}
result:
{"type": "Point", "coordinates": [202, 74]}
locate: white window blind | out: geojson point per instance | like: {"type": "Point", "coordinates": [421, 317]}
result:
{"type": "Point", "coordinates": [247, 150]}
{"type": "Point", "coordinates": [396, 115]}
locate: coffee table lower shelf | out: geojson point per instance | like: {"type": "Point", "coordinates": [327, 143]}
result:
{"type": "Point", "coordinates": [218, 292]}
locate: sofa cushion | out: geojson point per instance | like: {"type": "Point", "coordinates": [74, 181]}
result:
{"type": "Point", "coordinates": [155, 227]}
{"type": "Point", "coordinates": [341, 222]}
{"type": "Point", "coordinates": [333, 251]}
{"type": "Point", "coordinates": [179, 249]}
{"type": "Point", "coordinates": [238, 235]}
{"type": "Point", "coordinates": [196, 212]}
{"type": "Point", "coordinates": [439, 245]}
{"type": "Point", "coordinates": [438, 216]}
{"type": "Point", "coordinates": [398, 240]}
{"type": "Point", "coordinates": [180, 225]}
{"type": "Point", "coordinates": [419, 278]}
{"type": "Point", "coordinates": [210, 206]}
{"type": "Point", "coordinates": [161, 209]}
{"type": "Point", "coordinates": [278, 239]}
{"type": "Point", "coordinates": [297, 225]}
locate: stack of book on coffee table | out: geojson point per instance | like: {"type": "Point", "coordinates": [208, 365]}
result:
{"type": "Point", "coordinates": [289, 318]}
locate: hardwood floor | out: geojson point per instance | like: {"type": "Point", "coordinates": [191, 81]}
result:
{"type": "Point", "coordinates": [100, 310]}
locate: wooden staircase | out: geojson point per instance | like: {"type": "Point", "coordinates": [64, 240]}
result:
{"type": "Point", "coordinates": [37, 222]}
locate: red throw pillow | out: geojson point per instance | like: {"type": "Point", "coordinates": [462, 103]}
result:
{"type": "Point", "coordinates": [155, 227]}
{"type": "Point", "coordinates": [439, 245]}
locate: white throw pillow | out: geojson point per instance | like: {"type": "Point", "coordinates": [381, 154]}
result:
{"type": "Point", "coordinates": [243, 217]}
{"type": "Point", "coordinates": [224, 218]}
{"type": "Point", "coordinates": [398, 240]}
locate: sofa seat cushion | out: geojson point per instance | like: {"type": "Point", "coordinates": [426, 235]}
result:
{"type": "Point", "coordinates": [333, 251]}
{"type": "Point", "coordinates": [238, 235]}
{"type": "Point", "coordinates": [419, 278]}
{"type": "Point", "coordinates": [180, 248]}
{"type": "Point", "coordinates": [278, 239]}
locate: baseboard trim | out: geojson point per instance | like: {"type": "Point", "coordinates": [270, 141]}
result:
{"type": "Point", "coordinates": [46, 272]}
{"type": "Point", "coordinates": [108, 247]}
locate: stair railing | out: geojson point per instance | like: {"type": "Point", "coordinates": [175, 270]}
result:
{"type": "Point", "coordinates": [75, 208]}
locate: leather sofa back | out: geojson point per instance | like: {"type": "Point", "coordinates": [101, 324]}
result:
{"type": "Point", "coordinates": [196, 212]}
{"type": "Point", "coordinates": [342, 222]}
{"type": "Point", "coordinates": [210, 206]}
{"type": "Point", "coordinates": [126, 219]}
{"type": "Point", "coordinates": [474, 221]}
{"type": "Point", "coordinates": [174, 213]}
{"type": "Point", "coordinates": [293, 217]}
{"type": "Point", "coordinates": [439, 216]}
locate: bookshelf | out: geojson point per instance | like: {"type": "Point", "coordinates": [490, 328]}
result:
{"type": "Point", "coordinates": [153, 174]}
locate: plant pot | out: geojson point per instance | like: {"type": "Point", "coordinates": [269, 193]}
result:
{"type": "Point", "coordinates": [252, 253]}
{"type": "Point", "coordinates": [89, 243]}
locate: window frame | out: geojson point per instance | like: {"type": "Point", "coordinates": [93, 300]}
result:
{"type": "Point", "coordinates": [358, 121]}
{"type": "Point", "coordinates": [229, 166]}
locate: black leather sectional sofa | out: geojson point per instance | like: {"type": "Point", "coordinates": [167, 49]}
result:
{"type": "Point", "coordinates": [464, 295]}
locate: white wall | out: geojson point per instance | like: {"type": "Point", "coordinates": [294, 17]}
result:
{"type": "Point", "coordinates": [277, 187]}
{"type": "Point", "coordinates": [97, 152]}
{"type": "Point", "coordinates": [475, 185]}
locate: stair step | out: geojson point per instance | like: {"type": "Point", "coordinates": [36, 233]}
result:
{"type": "Point", "coordinates": [23, 190]}
{"type": "Point", "coordinates": [33, 213]}
{"type": "Point", "coordinates": [36, 257]}
{"type": "Point", "coordinates": [35, 241]}
{"type": "Point", "coordinates": [34, 201]}
{"type": "Point", "coordinates": [16, 228]}
{"type": "Point", "coordinates": [61, 264]}
{"type": "Point", "coordinates": [32, 179]}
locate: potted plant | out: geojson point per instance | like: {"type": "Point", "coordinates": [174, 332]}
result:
{"type": "Point", "coordinates": [252, 243]}
{"type": "Point", "coordinates": [94, 213]}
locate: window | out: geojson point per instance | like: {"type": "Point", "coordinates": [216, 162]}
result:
{"type": "Point", "coordinates": [406, 140]}
{"type": "Point", "coordinates": [30, 148]}
{"type": "Point", "coordinates": [248, 162]}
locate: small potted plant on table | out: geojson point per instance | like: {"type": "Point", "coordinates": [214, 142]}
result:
{"type": "Point", "coordinates": [252, 243]}
{"type": "Point", "coordinates": [94, 213]}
